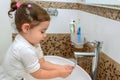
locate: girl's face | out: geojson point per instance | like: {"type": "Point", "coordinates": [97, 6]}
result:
{"type": "Point", "coordinates": [37, 34]}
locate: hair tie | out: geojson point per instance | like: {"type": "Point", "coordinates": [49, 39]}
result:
{"type": "Point", "coordinates": [18, 4]}
{"type": "Point", "coordinates": [29, 5]}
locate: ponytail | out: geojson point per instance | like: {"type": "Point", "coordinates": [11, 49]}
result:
{"type": "Point", "coordinates": [13, 7]}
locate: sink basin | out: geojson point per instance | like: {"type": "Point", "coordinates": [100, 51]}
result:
{"type": "Point", "coordinates": [77, 74]}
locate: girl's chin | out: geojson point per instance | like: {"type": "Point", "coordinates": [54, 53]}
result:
{"type": "Point", "coordinates": [36, 43]}
{"type": "Point", "coordinates": [39, 41]}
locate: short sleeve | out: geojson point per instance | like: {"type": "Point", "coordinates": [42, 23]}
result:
{"type": "Point", "coordinates": [29, 60]}
{"type": "Point", "coordinates": [39, 51]}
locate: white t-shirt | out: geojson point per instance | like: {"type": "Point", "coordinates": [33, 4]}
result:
{"type": "Point", "coordinates": [22, 59]}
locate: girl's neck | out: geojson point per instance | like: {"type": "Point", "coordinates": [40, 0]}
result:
{"type": "Point", "coordinates": [26, 38]}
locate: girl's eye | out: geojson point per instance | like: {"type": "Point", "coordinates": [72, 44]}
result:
{"type": "Point", "coordinates": [42, 31]}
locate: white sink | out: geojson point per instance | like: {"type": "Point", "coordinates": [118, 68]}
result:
{"type": "Point", "coordinates": [77, 74]}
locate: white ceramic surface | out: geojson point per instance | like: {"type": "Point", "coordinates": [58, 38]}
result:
{"type": "Point", "coordinates": [77, 74]}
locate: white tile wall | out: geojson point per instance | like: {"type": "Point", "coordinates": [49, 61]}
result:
{"type": "Point", "coordinates": [113, 2]}
{"type": "Point", "coordinates": [5, 28]}
{"type": "Point", "coordinates": [60, 23]}
{"type": "Point", "coordinates": [103, 29]}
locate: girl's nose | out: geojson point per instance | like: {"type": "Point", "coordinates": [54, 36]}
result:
{"type": "Point", "coordinates": [45, 35]}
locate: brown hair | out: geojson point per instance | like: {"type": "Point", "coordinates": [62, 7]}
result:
{"type": "Point", "coordinates": [33, 15]}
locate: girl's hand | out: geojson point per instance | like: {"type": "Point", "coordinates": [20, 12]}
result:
{"type": "Point", "coordinates": [66, 71]}
{"type": "Point", "coordinates": [69, 67]}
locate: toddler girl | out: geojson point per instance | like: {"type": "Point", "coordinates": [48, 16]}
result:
{"type": "Point", "coordinates": [24, 59]}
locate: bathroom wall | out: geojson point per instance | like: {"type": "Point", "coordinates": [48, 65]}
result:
{"type": "Point", "coordinates": [102, 29]}
{"type": "Point", "coordinates": [104, 2]}
{"type": "Point", "coordinates": [5, 28]}
{"type": "Point", "coordinates": [60, 23]}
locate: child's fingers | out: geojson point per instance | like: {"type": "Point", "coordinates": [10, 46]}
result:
{"type": "Point", "coordinates": [69, 67]}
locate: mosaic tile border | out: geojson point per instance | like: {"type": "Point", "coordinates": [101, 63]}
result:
{"type": "Point", "coordinates": [105, 12]}
{"type": "Point", "coordinates": [101, 11]}
{"type": "Point", "coordinates": [108, 69]}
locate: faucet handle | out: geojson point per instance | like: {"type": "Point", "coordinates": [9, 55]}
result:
{"type": "Point", "coordinates": [99, 43]}
{"type": "Point", "coordinates": [95, 44]}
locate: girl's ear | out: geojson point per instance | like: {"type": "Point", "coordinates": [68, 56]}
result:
{"type": "Point", "coordinates": [25, 27]}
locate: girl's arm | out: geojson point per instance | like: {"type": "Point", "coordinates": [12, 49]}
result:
{"type": "Point", "coordinates": [49, 70]}
{"type": "Point", "coordinates": [47, 65]}
{"type": "Point", "coordinates": [44, 74]}
{"type": "Point", "coordinates": [48, 74]}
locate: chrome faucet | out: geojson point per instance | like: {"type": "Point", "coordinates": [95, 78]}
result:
{"type": "Point", "coordinates": [97, 49]}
